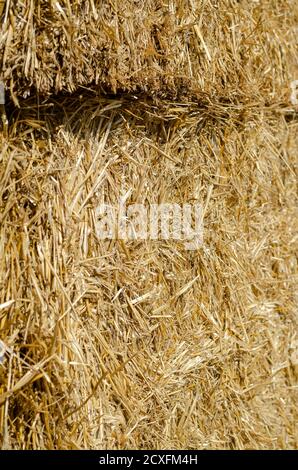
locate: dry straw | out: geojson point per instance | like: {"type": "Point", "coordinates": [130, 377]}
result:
{"type": "Point", "coordinates": [143, 344]}
{"type": "Point", "coordinates": [229, 49]}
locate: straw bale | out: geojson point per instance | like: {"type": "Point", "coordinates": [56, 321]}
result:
{"type": "Point", "coordinates": [129, 344]}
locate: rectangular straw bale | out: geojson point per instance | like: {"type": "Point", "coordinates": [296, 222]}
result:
{"type": "Point", "coordinates": [236, 50]}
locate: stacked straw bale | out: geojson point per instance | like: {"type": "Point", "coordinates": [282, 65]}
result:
{"type": "Point", "coordinates": [144, 344]}
{"type": "Point", "coordinates": [237, 50]}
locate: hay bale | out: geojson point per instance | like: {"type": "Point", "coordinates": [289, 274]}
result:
{"type": "Point", "coordinates": [238, 51]}
{"type": "Point", "coordinates": [125, 344]}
